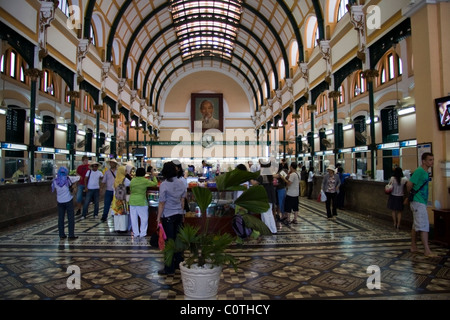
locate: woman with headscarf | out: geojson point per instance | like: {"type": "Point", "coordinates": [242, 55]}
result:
{"type": "Point", "coordinates": [62, 185]}
{"type": "Point", "coordinates": [120, 207]}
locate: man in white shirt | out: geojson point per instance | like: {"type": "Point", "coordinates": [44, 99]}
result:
{"type": "Point", "coordinates": [93, 176]}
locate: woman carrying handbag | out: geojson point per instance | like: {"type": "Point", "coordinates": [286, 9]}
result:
{"type": "Point", "coordinates": [396, 201]}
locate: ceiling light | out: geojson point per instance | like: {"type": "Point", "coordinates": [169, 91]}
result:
{"type": "Point", "coordinates": [347, 127]}
{"type": "Point", "coordinates": [405, 111]}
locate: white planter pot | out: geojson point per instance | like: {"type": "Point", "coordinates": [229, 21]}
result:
{"type": "Point", "coordinates": [200, 283]}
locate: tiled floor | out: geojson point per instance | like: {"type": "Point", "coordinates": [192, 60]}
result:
{"type": "Point", "coordinates": [316, 259]}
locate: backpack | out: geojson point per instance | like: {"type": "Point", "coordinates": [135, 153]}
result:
{"type": "Point", "coordinates": [239, 227]}
{"type": "Point", "coordinates": [121, 191]}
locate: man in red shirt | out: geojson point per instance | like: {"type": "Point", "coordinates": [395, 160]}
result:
{"type": "Point", "coordinates": [81, 171]}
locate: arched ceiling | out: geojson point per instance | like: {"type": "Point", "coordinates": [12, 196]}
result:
{"type": "Point", "coordinates": [159, 41]}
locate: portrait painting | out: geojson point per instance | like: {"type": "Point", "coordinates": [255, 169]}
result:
{"type": "Point", "coordinates": [207, 108]}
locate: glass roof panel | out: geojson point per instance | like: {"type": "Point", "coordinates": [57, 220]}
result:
{"type": "Point", "coordinates": [206, 28]}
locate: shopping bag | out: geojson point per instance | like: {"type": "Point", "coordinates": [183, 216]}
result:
{"type": "Point", "coordinates": [162, 237]}
{"type": "Point", "coordinates": [323, 196]}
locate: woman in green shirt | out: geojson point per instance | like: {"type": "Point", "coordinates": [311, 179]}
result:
{"type": "Point", "coordinates": [138, 202]}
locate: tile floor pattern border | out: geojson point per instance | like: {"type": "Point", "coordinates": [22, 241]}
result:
{"type": "Point", "coordinates": [316, 259]}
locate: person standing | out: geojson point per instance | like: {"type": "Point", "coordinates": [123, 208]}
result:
{"type": "Point", "coordinates": [330, 186]}
{"type": "Point", "coordinates": [108, 180]}
{"type": "Point", "coordinates": [120, 206]}
{"type": "Point", "coordinates": [138, 202]}
{"type": "Point", "coordinates": [303, 182]}
{"type": "Point", "coordinates": [281, 190]}
{"type": "Point", "coordinates": [395, 200]}
{"type": "Point", "coordinates": [172, 192]}
{"type": "Point", "coordinates": [92, 181]}
{"type": "Point", "coordinates": [62, 185]}
{"type": "Point", "coordinates": [341, 195]}
{"type": "Point", "coordinates": [292, 195]}
{"type": "Point", "coordinates": [419, 182]}
{"type": "Point", "coordinates": [181, 176]}
{"type": "Point", "coordinates": [266, 180]}
{"type": "Point", "coordinates": [310, 181]}
{"type": "Point", "coordinates": [20, 174]}
{"type": "Point", "coordinates": [81, 172]}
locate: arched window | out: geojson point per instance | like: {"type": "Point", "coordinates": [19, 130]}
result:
{"type": "Point", "coordinates": [92, 36]}
{"type": "Point", "coordinates": [311, 32]}
{"type": "Point", "coordinates": [13, 65]}
{"type": "Point", "coordinates": [322, 103]}
{"type": "Point", "coordinates": [342, 96]}
{"type": "Point", "coordinates": [48, 84]}
{"type": "Point", "coordinates": [342, 9]}
{"type": "Point", "coordinates": [282, 69]}
{"type": "Point", "coordinates": [317, 37]}
{"type": "Point", "coordinates": [294, 54]}
{"type": "Point", "coordinates": [64, 6]}
{"type": "Point", "coordinates": [391, 67]}
{"type": "Point", "coordinates": [359, 84]}
{"type": "Point", "coordinates": [88, 104]}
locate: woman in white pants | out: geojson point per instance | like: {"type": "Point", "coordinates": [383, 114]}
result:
{"type": "Point", "coordinates": [138, 202]}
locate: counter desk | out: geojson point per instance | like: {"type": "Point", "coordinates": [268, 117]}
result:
{"type": "Point", "coordinates": [22, 202]}
{"type": "Point", "coordinates": [366, 197]}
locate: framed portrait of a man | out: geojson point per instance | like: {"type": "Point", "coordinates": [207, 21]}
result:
{"type": "Point", "coordinates": [207, 108]}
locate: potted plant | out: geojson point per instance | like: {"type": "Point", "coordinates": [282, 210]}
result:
{"type": "Point", "coordinates": [206, 252]}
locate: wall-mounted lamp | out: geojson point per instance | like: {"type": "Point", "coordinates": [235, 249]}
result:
{"type": "Point", "coordinates": [369, 121]}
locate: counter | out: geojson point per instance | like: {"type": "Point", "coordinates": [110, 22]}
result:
{"type": "Point", "coordinates": [23, 202]}
{"type": "Point", "coordinates": [366, 197]}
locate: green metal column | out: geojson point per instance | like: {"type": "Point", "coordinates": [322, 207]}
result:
{"type": "Point", "coordinates": [372, 146]}
{"type": "Point", "coordinates": [335, 111]}
{"type": "Point", "coordinates": [313, 150]}
{"type": "Point", "coordinates": [32, 125]}
{"type": "Point", "coordinates": [71, 132]}
{"type": "Point", "coordinates": [127, 123]}
{"type": "Point", "coordinates": [97, 138]}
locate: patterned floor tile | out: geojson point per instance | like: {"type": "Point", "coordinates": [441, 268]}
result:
{"type": "Point", "coordinates": [316, 259]}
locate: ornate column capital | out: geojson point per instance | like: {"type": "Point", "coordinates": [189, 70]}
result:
{"type": "Point", "coordinates": [34, 73]}
{"type": "Point", "coordinates": [335, 95]}
{"type": "Point", "coordinates": [370, 74]}
{"type": "Point", "coordinates": [73, 94]}
{"type": "Point", "coordinates": [98, 107]}
{"type": "Point", "coordinates": [106, 67]}
{"type": "Point", "coordinates": [312, 107]}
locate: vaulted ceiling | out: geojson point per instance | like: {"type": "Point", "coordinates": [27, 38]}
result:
{"type": "Point", "coordinates": [157, 42]}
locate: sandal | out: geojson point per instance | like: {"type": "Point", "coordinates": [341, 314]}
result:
{"type": "Point", "coordinates": [294, 221]}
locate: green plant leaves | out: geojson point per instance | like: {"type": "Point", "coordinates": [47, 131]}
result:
{"type": "Point", "coordinates": [203, 196]}
{"type": "Point", "coordinates": [200, 248]}
{"type": "Point", "coordinates": [233, 179]}
{"type": "Point", "coordinates": [254, 199]}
